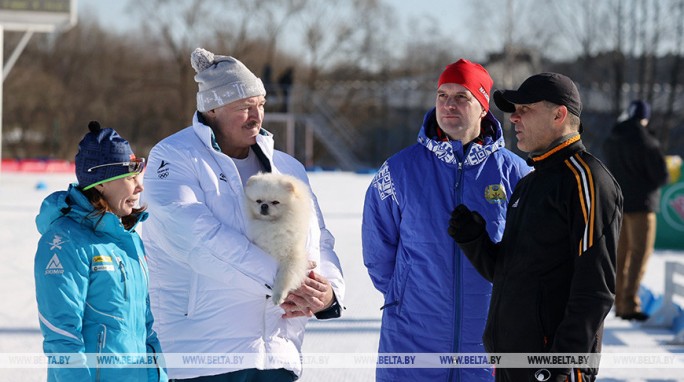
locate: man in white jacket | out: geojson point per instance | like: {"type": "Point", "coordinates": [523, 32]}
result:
{"type": "Point", "coordinates": [209, 285]}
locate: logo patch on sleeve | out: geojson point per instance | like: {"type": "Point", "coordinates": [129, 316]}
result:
{"type": "Point", "coordinates": [102, 263]}
{"type": "Point", "coordinates": [56, 243]}
{"type": "Point", "coordinates": [163, 170]}
{"type": "Point", "coordinates": [103, 268]}
{"type": "Point", "coordinates": [102, 259]}
{"type": "Point", "coordinates": [54, 267]}
{"type": "Point", "coordinates": [383, 183]}
{"type": "Point", "coordinates": [495, 194]}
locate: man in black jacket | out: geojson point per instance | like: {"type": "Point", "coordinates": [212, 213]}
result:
{"type": "Point", "coordinates": [635, 159]}
{"type": "Point", "coordinates": [553, 272]}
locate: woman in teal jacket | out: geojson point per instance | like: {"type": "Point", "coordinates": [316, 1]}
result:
{"type": "Point", "coordinates": [90, 270]}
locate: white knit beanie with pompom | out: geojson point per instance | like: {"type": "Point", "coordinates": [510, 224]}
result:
{"type": "Point", "coordinates": [222, 80]}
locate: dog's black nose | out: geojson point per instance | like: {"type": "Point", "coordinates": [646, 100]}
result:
{"type": "Point", "coordinates": [264, 209]}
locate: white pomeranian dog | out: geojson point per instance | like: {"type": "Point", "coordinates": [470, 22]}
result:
{"type": "Point", "coordinates": [279, 212]}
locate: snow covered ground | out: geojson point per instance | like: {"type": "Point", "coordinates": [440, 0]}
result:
{"type": "Point", "coordinates": [341, 198]}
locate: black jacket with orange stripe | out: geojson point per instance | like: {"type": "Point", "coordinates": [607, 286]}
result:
{"type": "Point", "coordinates": [553, 272]}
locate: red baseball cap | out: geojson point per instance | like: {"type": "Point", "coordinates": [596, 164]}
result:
{"type": "Point", "coordinates": [470, 75]}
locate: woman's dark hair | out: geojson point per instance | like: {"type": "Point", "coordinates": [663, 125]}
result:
{"type": "Point", "coordinates": [101, 206]}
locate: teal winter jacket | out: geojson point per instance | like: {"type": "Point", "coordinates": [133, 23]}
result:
{"type": "Point", "coordinates": [91, 288]}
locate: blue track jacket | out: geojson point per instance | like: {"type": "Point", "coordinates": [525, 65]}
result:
{"type": "Point", "coordinates": [91, 287]}
{"type": "Point", "coordinates": [435, 301]}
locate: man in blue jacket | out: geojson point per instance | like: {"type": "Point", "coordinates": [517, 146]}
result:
{"type": "Point", "coordinates": [435, 301]}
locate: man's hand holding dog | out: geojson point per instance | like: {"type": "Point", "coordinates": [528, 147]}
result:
{"type": "Point", "coordinates": [314, 295]}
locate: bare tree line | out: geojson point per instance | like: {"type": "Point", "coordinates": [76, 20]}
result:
{"type": "Point", "coordinates": [141, 82]}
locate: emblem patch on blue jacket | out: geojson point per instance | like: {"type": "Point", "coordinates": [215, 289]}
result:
{"type": "Point", "coordinates": [102, 263]}
{"type": "Point", "coordinates": [54, 267]}
{"type": "Point", "coordinates": [495, 194]}
{"type": "Point", "coordinates": [56, 242]}
{"type": "Point", "coordinates": [383, 182]}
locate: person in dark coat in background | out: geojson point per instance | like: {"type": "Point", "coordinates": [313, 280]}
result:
{"type": "Point", "coordinates": [553, 272]}
{"type": "Point", "coordinates": [637, 162]}
{"type": "Point", "coordinates": [267, 79]}
{"type": "Point", "coordinates": [285, 81]}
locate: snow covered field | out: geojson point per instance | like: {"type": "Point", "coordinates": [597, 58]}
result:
{"type": "Point", "coordinates": [341, 198]}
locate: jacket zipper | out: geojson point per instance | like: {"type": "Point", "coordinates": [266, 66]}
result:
{"type": "Point", "coordinates": [457, 266]}
{"type": "Point", "coordinates": [460, 175]}
{"type": "Point", "coordinates": [101, 338]}
{"type": "Point", "coordinates": [124, 277]}
{"type": "Point", "coordinates": [263, 318]}
{"type": "Point", "coordinates": [156, 362]}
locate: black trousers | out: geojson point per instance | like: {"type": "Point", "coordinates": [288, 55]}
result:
{"type": "Point", "coordinates": [247, 375]}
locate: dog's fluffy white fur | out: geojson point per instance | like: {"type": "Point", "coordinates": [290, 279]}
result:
{"type": "Point", "coordinates": [279, 211]}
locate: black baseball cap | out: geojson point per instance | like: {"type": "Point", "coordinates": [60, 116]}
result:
{"type": "Point", "coordinates": [552, 87]}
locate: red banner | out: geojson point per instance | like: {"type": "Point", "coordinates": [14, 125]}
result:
{"type": "Point", "coordinates": [37, 165]}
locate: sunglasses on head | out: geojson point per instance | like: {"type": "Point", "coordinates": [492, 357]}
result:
{"type": "Point", "coordinates": [134, 165]}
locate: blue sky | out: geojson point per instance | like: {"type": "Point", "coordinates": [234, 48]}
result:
{"type": "Point", "coordinates": [417, 18]}
{"type": "Point", "coordinates": [112, 13]}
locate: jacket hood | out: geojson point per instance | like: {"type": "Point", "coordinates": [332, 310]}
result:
{"type": "Point", "coordinates": [73, 204]}
{"type": "Point", "coordinates": [490, 140]}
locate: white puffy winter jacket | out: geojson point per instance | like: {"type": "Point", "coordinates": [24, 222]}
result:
{"type": "Point", "coordinates": [208, 282]}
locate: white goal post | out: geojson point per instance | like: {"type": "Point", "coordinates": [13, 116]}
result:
{"type": "Point", "coordinates": [30, 16]}
{"type": "Point", "coordinates": [37, 15]}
